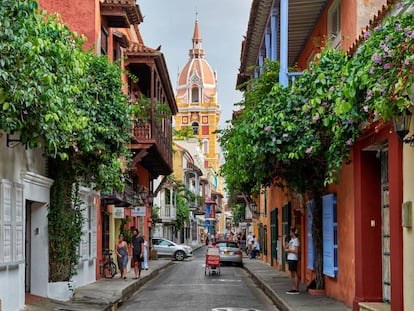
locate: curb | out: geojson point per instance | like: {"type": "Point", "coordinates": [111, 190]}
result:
{"type": "Point", "coordinates": [277, 300]}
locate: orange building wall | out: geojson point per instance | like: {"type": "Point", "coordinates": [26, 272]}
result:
{"type": "Point", "coordinates": [318, 38]}
{"type": "Point", "coordinates": [343, 286]}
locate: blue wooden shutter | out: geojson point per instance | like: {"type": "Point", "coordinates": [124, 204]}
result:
{"type": "Point", "coordinates": [330, 235]}
{"type": "Point", "coordinates": [310, 207]}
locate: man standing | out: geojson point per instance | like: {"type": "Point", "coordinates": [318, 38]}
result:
{"type": "Point", "coordinates": [249, 244]}
{"type": "Point", "coordinates": [138, 252]}
{"type": "Point", "coordinates": [292, 250]}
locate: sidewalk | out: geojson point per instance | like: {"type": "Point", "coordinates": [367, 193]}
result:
{"type": "Point", "coordinates": [104, 294]}
{"type": "Point", "coordinates": [275, 284]}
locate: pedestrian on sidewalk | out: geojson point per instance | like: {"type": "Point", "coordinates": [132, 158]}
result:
{"type": "Point", "coordinates": [292, 250]}
{"type": "Point", "coordinates": [121, 250]}
{"type": "Point", "coordinates": [138, 252]}
{"type": "Point", "coordinates": [145, 262]}
{"type": "Point", "coordinates": [249, 244]}
{"type": "Point", "coordinates": [255, 249]}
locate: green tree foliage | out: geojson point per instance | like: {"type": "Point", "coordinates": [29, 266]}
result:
{"type": "Point", "coordinates": [68, 102]}
{"type": "Point", "coordinates": [301, 136]}
{"type": "Point", "coordinates": [238, 213]}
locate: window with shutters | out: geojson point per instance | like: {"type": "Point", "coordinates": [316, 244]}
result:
{"type": "Point", "coordinates": [330, 235]}
{"type": "Point", "coordinates": [334, 24]}
{"type": "Point", "coordinates": [87, 248]}
{"type": "Point", "coordinates": [310, 207]}
{"type": "Point", "coordinates": [11, 223]}
{"type": "Point", "coordinates": [104, 41]}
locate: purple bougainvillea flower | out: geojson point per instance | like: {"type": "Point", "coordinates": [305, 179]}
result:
{"type": "Point", "coordinates": [378, 28]}
{"type": "Point", "coordinates": [324, 104]}
{"type": "Point", "coordinates": [25, 112]}
{"type": "Point", "coordinates": [273, 139]}
{"type": "Point", "coordinates": [349, 142]}
{"type": "Point", "coordinates": [267, 128]}
{"type": "Point", "coordinates": [308, 150]}
{"type": "Point", "coordinates": [384, 47]}
{"type": "Point", "coordinates": [285, 135]}
{"type": "Point", "coordinates": [365, 108]}
{"type": "Point", "coordinates": [315, 118]}
{"type": "Point", "coordinates": [376, 58]}
{"type": "Point", "coordinates": [399, 5]}
{"type": "Point", "coordinates": [387, 66]}
{"type": "Point", "coordinates": [331, 89]}
{"type": "Point", "coordinates": [371, 70]}
{"type": "Point", "coordinates": [398, 28]}
{"type": "Point", "coordinates": [383, 91]}
{"type": "Point", "coordinates": [305, 101]}
{"type": "Point", "coordinates": [407, 62]}
{"type": "Point", "coordinates": [369, 95]}
{"type": "Point", "coordinates": [366, 35]}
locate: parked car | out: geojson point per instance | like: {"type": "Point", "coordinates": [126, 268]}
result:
{"type": "Point", "coordinates": [230, 252]}
{"type": "Point", "coordinates": [166, 247]}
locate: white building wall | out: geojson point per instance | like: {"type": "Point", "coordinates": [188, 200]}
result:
{"type": "Point", "coordinates": [22, 175]}
{"type": "Point", "coordinates": [408, 228]}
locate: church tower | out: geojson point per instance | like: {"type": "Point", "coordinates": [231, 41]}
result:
{"type": "Point", "coordinates": [197, 101]}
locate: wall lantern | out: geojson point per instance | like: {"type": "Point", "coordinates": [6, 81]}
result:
{"type": "Point", "coordinates": [253, 206]}
{"type": "Point", "coordinates": [402, 127]}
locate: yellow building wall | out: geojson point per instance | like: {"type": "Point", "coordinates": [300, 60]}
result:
{"type": "Point", "coordinates": [408, 232]}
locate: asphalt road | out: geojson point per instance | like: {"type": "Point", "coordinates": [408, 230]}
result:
{"type": "Point", "coordinates": [184, 286]}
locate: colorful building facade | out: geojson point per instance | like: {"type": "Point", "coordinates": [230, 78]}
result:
{"type": "Point", "coordinates": [367, 200]}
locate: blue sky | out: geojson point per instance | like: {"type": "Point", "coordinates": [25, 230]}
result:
{"type": "Point", "coordinates": [223, 23]}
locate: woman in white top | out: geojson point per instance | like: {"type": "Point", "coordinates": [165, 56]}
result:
{"type": "Point", "coordinates": [292, 250]}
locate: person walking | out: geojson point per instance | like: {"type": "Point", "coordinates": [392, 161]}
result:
{"type": "Point", "coordinates": [138, 252]}
{"type": "Point", "coordinates": [292, 250]}
{"type": "Point", "coordinates": [255, 248]}
{"type": "Point", "coordinates": [121, 250]}
{"type": "Point", "coordinates": [145, 262]}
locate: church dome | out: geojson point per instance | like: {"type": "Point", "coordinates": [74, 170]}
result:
{"type": "Point", "coordinates": [197, 82]}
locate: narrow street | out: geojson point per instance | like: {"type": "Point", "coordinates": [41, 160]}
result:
{"type": "Point", "coordinates": [184, 286]}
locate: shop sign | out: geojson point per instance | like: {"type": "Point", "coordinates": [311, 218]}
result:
{"type": "Point", "coordinates": [138, 211]}
{"type": "Point", "coordinates": [118, 212]}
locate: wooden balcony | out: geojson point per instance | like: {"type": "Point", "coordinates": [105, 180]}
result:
{"type": "Point", "coordinates": [151, 146]}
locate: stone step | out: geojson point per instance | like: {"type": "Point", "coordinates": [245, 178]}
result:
{"type": "Point", "coordinates": [374, 306]}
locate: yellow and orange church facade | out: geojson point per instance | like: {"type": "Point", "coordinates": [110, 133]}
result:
{"type": "Point", "coordinates": [197, 101]}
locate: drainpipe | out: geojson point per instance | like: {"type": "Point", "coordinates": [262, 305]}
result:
{"type": "Point", "coordinates": [283, 73]}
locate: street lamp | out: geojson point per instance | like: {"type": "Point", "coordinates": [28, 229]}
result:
{"type": "Point", "coordinates": [402, 127]}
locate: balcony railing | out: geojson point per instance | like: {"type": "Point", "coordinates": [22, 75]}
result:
{"type": "Point", "coordinates": [168, 213]}
{"type": "Point", "coordinates": [157, 141]}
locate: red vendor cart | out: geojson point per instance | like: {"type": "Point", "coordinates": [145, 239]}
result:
{"type": "Point", "coordinates": [212, 265]}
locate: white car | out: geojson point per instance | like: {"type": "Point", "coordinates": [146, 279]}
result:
{"type": "Point", "coordinates": [166, 247]}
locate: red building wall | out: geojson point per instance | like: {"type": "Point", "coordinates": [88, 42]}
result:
{"type": "Point", "coordinates": [81, 16]}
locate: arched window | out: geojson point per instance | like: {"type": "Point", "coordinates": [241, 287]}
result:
{"type": "Point", "coordinates": [194, 125]}
{"type": "Point", "coordinates": [194, 94]}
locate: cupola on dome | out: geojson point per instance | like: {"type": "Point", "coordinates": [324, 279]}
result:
{"type": "Point", "coordinates": [197, 82]}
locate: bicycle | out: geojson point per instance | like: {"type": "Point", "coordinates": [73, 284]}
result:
{"type": "Point", "coordinates": [109, 267]}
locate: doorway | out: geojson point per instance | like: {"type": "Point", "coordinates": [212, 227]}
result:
{"type": "Point", "coordinates": [27, 248]}
{"type": "Point", "coordinates": [385, 234]}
